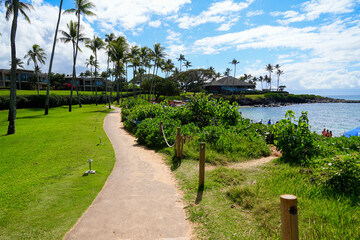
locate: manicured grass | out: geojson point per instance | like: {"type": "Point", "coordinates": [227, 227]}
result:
{"type": "Point", "coordinates": [56, 92]}
{"type": "Point", "coordinates": [245, 204]}
{"type": "Point", "coordinates": [255, 96]}
{"type": "Point", "coordinates": [43, 188]}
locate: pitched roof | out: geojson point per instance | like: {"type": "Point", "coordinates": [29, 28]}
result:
{"type": "Point", "coordinates": [230, 81]}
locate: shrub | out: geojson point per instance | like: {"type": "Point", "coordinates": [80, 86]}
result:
{"type": "Point", "coordinates": [295, 141]}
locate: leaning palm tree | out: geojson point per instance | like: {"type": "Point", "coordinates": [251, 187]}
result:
{"type": "Point", "coordinates": [72, 36]}
{"type": "Point", "coordinates": [36, 55]}
{"type": "Point", "coordinates": [47, 101]}
{"type": "Point", "coordinates": [180, 59]}
{"type": "Point", "coordinates": [234, 62]}
{"type": "Point", "coordinates": [81, 7]}
{"type": "Point", "coordinates": [12, 8]}
{"type": "Point", "coordinates": [95, 45]}
{"type": "Point", "coordinates": [159, 53]}
{"type": "Point", "coordinates": [270, 69]}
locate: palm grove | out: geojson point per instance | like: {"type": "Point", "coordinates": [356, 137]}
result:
{"type": "Point", "coordinates": [145, 62]}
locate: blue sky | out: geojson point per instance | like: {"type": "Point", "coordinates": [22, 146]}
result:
{"type": "Point", "coordinates": [316, 42]}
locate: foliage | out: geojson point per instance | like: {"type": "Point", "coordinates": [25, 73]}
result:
{"type": "Point", "coordinates": [194, 79]}
{"type": "Point", "coordinates": [343, 174]}
{"type": "Point", "coordinates": [295, 141]}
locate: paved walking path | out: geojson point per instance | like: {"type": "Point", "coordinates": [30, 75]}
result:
{"type": "Point", "coordinates": [139, 199]}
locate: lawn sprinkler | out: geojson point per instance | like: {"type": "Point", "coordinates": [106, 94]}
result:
{"type": "Point", "coordinates": [90, 171]}
{"type": "Point", "coordinates": [100, 141]}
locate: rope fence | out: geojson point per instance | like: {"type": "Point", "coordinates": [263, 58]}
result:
{"type": "Point", "coordinates": [167, 143]}
{"type": "Point", "coordinates": [179, 142]}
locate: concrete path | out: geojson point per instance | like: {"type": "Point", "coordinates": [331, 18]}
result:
{"type": "Point", "coordinates": [139, 200]}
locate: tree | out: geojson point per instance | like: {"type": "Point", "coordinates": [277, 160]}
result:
{"type": "Point", "coordinates": [91, 62]}
{"type": "Point", "coordinates": [36, 55]}
{"type": "Point", "coordinates": [227, 72]}
{"type": "Point", "coordinates": [194, 79]}
{"type": "Point", "coordinates": [181, 58]}
{"type": "Point", "coordinates": [187, 64]}
{"type": "Point", "coordinates": [234, 62]}
{"type": "Point", "coordinates": [81, 7]}
{"type": "Point", "coordinates": [261, 79]}
{"type": "Point", "coordinates": [47, 101]}
{"type": "Point", "coordinates": [95, 44]}
{"type": "Point", "coordinates": [278, 73]}
{"type": "Point", "coordinates": [13, 8]}
{"type": "Point", "coordinates": [135, 62]}
{"type": "Point", "coordinates": [108, 39]}
{"type": "Point", "coordinates": [270, 69]}
{"type": "Point", "coordinates": [159, 53]}
{"type": "Point", "coordinates": [72, 37]}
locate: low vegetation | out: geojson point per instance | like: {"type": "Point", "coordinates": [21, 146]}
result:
{"type": "Point", "coordinates": [43, 188]}
{"type": "Point", "coordinates": [324, 173]}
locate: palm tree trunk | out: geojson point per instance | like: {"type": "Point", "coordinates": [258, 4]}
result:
{"type": "Point", "coordinates": [77, 92]}
{"type": "Point", "coordinates": [134, 69]}
{"type": "Point", "coordinates": [117, 89]}
{"type": "Point", "coordinates": [152, 80]}
{"type": "Point", "coordinates": [73, 77]}
{"type": "Point", "coordinates": [37, 78]}
{"type": "Point", "coordinates": [106, 81]}
{"type": "Point", "coordinates": [12, 104]}
{"type": "Point", "coordinates": [47, 101]}
{"type": "Point", "coordinates": [95, 79]}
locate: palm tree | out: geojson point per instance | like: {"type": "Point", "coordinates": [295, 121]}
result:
{"type": "Point", "coordinates": [278, 73]}
{"type": "Point", "coordinates": [95, 44]}
{"type": "Point", "coordinates": [108, 39]}
{"type": "Point", "coordinates": [234, 62]}
{"type": "Point", "coordinates": [187, 64]}
{"type": "Point", "coordinates": [261, 79]}
{"type": "Point", "coordinates": [135, 61]}
{"type": "Point", "coordinates": [36, 55]}
{"type": "Point", "coordinates": [270, 69]}
{"type": "Point", "coordinates": [81, 7]}
{"type": "Point", "coordinates": [73, 37]}
{"type": "Point", "coordinates": [159, 53]}
{"type": "Point", "coordinates": [267, 80]}
{"type": "Point", "coordinates": [90, 62]}
{"type": "Point", "coordinates": [47, 101]}
{"type": "Point", "coordinates": [13, 8]}
{"type": "Point", "coordinates": [169, 66]}
{"type": "Point", "coordinates": [181, 58]}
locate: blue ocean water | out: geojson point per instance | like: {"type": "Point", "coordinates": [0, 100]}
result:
{"type": "Point", "coordinates": [346, 97]}
{"type": "Point", "coordinates": [337, 117]}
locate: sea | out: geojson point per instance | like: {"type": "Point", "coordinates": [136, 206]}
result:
{"type": "Point", "coordinates": [336, 117]}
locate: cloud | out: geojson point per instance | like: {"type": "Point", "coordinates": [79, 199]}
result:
{"type": "Point", "coordinates": [254, 13]}
{"type": "Point", "coordinates": [155, 24]}
{"type": "Point", "coordinates": [218, 12]}
{"type": "Point", "coordinates": [314, 8]}
{"type": "Point", "coordinates": [173, 36]}
{"type": "Point", "coordinates": [129, 14]}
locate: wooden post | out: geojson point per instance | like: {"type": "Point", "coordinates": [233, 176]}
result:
{"type": "Point", "coordinates": [178, 142]}
{"type": "Point", "coordinates": [202, 165]}
{"type": "Point", "coordinates": [289, 217]}
{"type": "Point", "coordinates": [160, 128]}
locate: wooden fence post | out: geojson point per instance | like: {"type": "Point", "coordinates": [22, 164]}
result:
{"type": "Point", "coordinates": [202, 165]}
{"type": "Point", "coordinates": [178, 143]}
{"type": "Point", "coordinates": [289, 217]}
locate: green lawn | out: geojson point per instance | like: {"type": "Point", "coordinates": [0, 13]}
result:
{"type": "Point", "coordinates": [56, 92]}
{"type": "Point", "coordinates": [255, 96]}
{"type": "Point", "coordinates": [42, 184]}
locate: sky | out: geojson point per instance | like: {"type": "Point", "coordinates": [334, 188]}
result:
{"type": "Point", "coordinates": [316, 42]}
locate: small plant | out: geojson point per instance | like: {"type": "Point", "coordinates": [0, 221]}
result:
{"type": "Point", "coordinates": [241, 195]}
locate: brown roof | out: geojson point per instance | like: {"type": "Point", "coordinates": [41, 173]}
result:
{"type": "Point", "coordinates": [230, 81]}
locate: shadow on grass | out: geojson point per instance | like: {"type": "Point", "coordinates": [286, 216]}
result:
{"type": "Point", "coordinates": [175, 163]}
{"type": "Point", "coordinates": [30, 117]}
{"type": "Point", "coordinates": [199, 194]}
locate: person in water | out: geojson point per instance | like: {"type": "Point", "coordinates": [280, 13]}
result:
{"type": "Point", "coordinates": [269, 122]}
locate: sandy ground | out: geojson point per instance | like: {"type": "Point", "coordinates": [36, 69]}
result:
{"type": "Point", "coordinates": [140, 199]}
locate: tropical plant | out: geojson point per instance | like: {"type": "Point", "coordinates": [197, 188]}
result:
{"type": "Point", "coordinates": [72, 37]}
{"type": "Point", "coordinates": [270, 69]}
{"type": "Point", "coordinates": [181, 59]}
{"type": "Point", "coordinates": [12, 8]}
{"type": "Point", "coordinates": [278, 73]}
{"type": "Point", "coordinates": [47, 101]}
{"type": "Point", "coordinates": [159, 53]}
{"type": "Point", "coordinates": [187, 64]}
{"type": "Point", "coordinates": [95, 44]}
{"type": "Point", "coordinates": [108, 39]}
{"type": "Point", "coordinates": [234, 62]}
{"type": "Point", "coordinates": [81, 7]}
{"type": "Point", "coordinates": [36, 55]}
{"type": "Point", "coordinates": [135, 62]}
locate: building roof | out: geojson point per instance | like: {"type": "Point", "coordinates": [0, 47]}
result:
{"type": "Point", "coordinates": [230, 81]}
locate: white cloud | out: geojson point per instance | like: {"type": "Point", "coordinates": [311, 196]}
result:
{"type": "Point", "coordinates": [254, 13]}
{"type": "Point", "coordinates": [129, 14]}
{"type": "Point", "coordinates": [155, 24]}
{"type": "Point", "coordinates": [173, 36]}
{"type": "Point", "coordinates": [314, 8]}
{"type": "Point", "coordinates": [218, 12]}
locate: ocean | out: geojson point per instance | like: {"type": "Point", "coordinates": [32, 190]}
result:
{"type": "Point", "coordinates": [337, 117]}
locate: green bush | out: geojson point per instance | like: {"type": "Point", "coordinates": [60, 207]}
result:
{"type": "Point", "coordinates": [344, 174]}
{"type": "Point", "coordinates": [295, 141]}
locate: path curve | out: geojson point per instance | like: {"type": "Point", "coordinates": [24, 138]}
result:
{"type": "Point", "coordinates": [139, 200]}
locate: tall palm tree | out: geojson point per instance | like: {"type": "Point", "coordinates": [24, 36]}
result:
{"type": "Point", "coordinates": [108, 39]}
{"type": "Point", "coordinates": [234, 62]}
{"type": "Point", "coordinates": [261, 79]}
{"type": "Point", "coordinates": [144, 62]}
{"type": "Point", "coordinates": [159, 53]}
{"type": "Point", "coordinates": [169, 66]}
{"type": "Point", "coordinates": [270, 69]}
{"type": "Point", "coordinates": [181, 58]}
{"type": "Point", "coordinates": [13, 8]}
{"type": "Point", "coordinates": [72, 36]}
{"type": "Point", "coordinates": [47, 101]}
{"type": "Point", "coordinates": [36, 55]}
{"type": "Point", "coordinates": [95, 45]}
{"type": "Point", "coordinates": [90, 62]}
{"type": "Point", "coordinates": [278, 73]}
{"type": "Point", "coordinates": [187, 64]}
{"type": "Point", "coordinates": [81, 7]}
{"type": "Point", "coordinates": [135, 62]}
